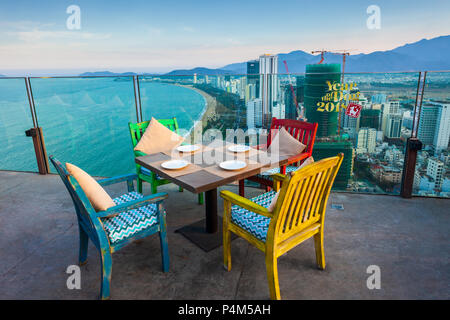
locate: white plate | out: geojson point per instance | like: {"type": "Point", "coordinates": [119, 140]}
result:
{"type": "Point", "coordinates": [188, 148]}
{"type": "Point", "coordinates": [174, 164]}
{"type": "Point", "coordinates": [238, 148]}
{"type": "Point", "coordinates": [233, 165]}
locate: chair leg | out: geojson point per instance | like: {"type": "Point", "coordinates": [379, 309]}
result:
{"type": "Point", "coordinates": [139, 185]}
{"type": "Point", "coordinates": [106, 274]}
{"type": "Point", "coordinates": [272, 276]}
{"type": "Point", "coordinates": [226, 248]}
{"type": "Point", "coordinates": [320, 254]}
{"type": "Point", "coordinates": [84, 241]}
{"type": "Point", "coordinates": [154, 188]}
{"type": "Point", "coordinates": [241, 188]}
{"type": "Point", "coordinates": [164, 245]}
{"type": "Point", "coordinates": [200, 198]}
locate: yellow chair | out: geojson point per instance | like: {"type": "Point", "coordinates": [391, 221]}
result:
{"type": "Point", "coordinates": [298, 215]}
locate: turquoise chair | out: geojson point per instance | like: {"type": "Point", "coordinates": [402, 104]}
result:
{"type": "Point", "coordinates": [138, 217]}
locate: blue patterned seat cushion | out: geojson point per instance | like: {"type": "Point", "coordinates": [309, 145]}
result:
{"type": "Point", "coordinates": [128, 223]}
{"type": "Point", "coordinates": [268, 173]}
{"type": "Point", "coordinates": [251, 222]}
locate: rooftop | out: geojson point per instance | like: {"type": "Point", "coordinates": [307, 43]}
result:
{"type": "Point", "coordinates": [407, 238]}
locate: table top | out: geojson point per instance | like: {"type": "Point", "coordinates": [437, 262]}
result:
{"type": "Point", "coordinates": [203, 172]}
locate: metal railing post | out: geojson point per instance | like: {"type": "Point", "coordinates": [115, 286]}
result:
{"type": "Point", "coordinates": [413, 144]}
{"type": "Point", "coordinates": [36, 133]}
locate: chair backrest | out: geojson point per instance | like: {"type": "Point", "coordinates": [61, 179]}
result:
{"type": "Point", "coordinates": [138, 129]}
{"type": "Point", "coordinates": [304, 132]}
{"type": "Point", "coordinates": [303, 198]}
{"type": "Point", "coordinates": [82, 205]}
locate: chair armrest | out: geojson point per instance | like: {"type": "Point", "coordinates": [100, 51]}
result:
{"type": "Point", "coordinates": [245, 203]}
{"type": "Point", "coordinates": [153, 198]}
{"type": "Point", "coordinates": [114, 180]}
{"type": "Point", "coordinates": [298, 157]}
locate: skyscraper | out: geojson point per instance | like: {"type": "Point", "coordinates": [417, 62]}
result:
{"type": "Point", "coordinates": [316, 87]}
{"type": "Point", "coordinates": [291, 108]}
{"type": "Point", "coordinates": [442, 131]}
{"type": "Point", "coordinates": [268, 69]}
{"type": "Point", "coordinates": [435, 169]}
{"type": "Point", "coordinates": [366, 140]}
{"type": "Point", "coordinates": [434, 125]}
{"type": "Point", "coordinates": [394, 126]}
{"type": "Point", "coordinates": [254, 113]}
{"type": "Point", "coordinates": [253, 75]}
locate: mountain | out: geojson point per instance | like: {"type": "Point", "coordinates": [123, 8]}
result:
{"type": "Point", "coordinates": [199, 71]}
{"type": "Point", "coordinates": [106, 73]}
{"type": "Point", "coordinates": [432, 54]}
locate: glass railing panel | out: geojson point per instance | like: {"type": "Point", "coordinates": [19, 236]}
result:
{"type": "Point", "coordinates": [432, 175]}
{"type": "Point", "coordinates": [198, 102]}
{"type": "Point", "coordinates": [16, 150]}
{"type": "Point", "coordinates": [374, 142]}
{"type": "Point", "coordinates": [85, 121]}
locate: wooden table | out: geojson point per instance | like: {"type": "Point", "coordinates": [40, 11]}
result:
{"type": "Point", "coordinates": [203, 174]}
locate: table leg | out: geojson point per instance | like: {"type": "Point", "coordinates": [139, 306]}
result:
{"type": "Point", "coordinates": [211, 211]}
{"type": "Point", "coordinates": [206, 233]}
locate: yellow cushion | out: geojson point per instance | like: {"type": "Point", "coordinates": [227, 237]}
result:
{"type": "Point", "coordinates": [158, 138]}
{"type": "Point", "coordinates": [284, 143]}
{"type": "Point", "coordinates": [98, 197]}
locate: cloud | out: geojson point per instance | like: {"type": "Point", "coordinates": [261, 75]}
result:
{"type": "Point", "coordinates": [41, 35]}
{"type": "Point", "coordinates": [188, 29]}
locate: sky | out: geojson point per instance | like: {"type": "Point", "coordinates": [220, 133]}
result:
{"type": "Point", "coordinates": [160, 36]}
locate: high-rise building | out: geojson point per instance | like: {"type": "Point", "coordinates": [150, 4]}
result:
{"type": "Point", "coordinates": [366, 141]}
{"type": "Point", "coordinates": [268, 90]}
{"type": "Point", "coordinates": [435, 169]}
{"type": "Point", "coordinates": [253, 75]}
{"type": "Point", "coordinates": [254, 113]}
{"type": "Point", "coordinates": [427, 123]}
{"type": "Point", "coordinates": [290, 107]}
{"type": "Point", "coordinates": [316, 87]}
{"type": "Point", "coordinates": [434, 125]}
{"type": "Point", "coordinates": [393, 126]}
{"type": "Point", "coordinates": [442, 132]}
{"type": "Point", "coordinates": [324, 150]}
{"type": "Point", "coordinates": [370, 118]}
{"type": "Point", "coordinates": [389, 108]}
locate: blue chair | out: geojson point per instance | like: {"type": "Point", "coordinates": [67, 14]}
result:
{"type": "Point", "coordinates": [137, 217]}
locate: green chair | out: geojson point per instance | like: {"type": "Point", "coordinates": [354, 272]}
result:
{"type": "Point", "coordinates": [136, 132]}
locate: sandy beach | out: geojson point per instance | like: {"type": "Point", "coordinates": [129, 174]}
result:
{"type": "Point", "coordinates": [210, 110]}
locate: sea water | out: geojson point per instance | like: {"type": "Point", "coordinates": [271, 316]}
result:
{"type": "Point", "coordinates": [85, 120]}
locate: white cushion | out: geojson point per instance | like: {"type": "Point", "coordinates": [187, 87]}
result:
{"type": "Point", "coordinates": [284, 143]}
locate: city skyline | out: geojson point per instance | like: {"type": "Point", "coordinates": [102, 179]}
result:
{"type": "Point", "coordinates": [149, 36]}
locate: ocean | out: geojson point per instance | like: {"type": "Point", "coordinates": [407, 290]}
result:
{"type": "Point", "coordinates": [85, 120]}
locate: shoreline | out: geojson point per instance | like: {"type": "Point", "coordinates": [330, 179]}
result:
{"type": "Point", "coordinates": [207, 112]}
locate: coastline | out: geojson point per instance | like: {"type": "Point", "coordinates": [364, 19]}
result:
{"type": "Point", "coordinates": [208, 111]}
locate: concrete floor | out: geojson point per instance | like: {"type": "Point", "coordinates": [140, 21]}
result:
{"type": "Point", "coordinates": [407, 239]}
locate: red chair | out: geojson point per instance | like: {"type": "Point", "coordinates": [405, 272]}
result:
{"type": "Point", "coordinates": [304, 132]}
